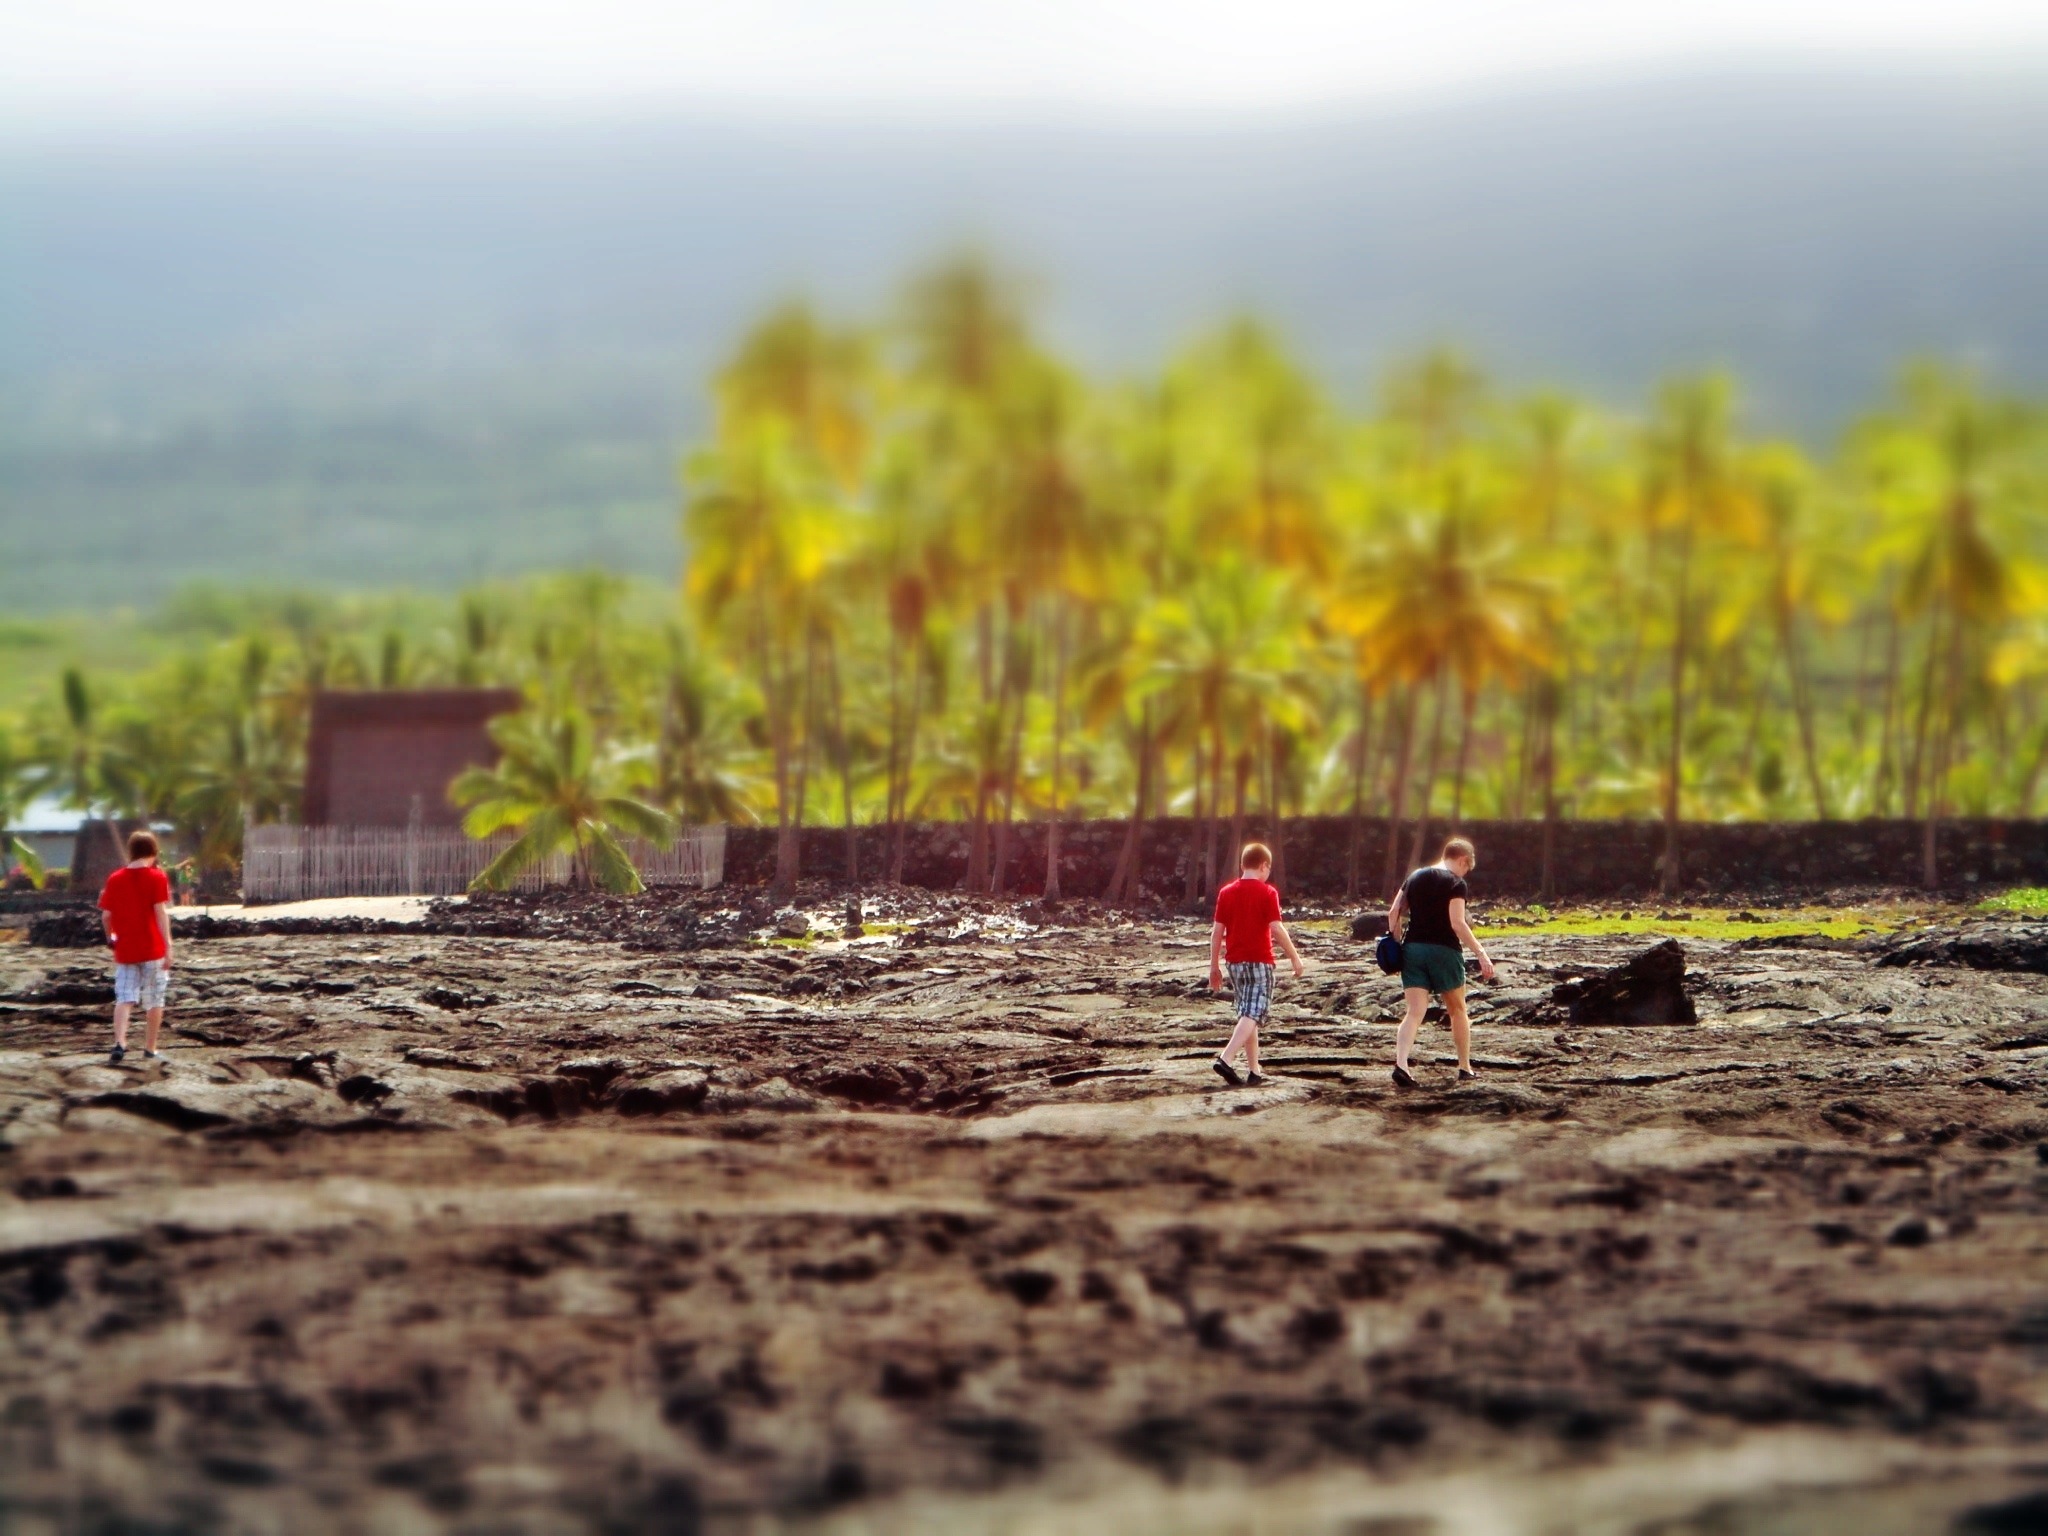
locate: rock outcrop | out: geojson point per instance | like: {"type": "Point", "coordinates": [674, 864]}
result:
{"type": "Point", "coordinates": [1648, 989]}
{"type": "Point", "coordinates": [1977, 946]}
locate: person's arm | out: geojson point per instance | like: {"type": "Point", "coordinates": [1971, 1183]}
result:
{"type": "Point", "coordinates": [107, 924]}
{"type": "Point", "coordinates": [1216, 933]}
{"type": "Point", "coordinates": [1281, 937]}
{"type": "Point", "coordinates": [1397, 912]}
{"type": "Point", "coordinates": [163, 921]}
{"type": "Point", "coordinates": [1464, 932]}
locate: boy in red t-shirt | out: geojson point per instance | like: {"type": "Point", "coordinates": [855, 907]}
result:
{"type": "Point", "coordinates": [135, 907]}
{"type": "Point", "coordinates": [1246, 928]}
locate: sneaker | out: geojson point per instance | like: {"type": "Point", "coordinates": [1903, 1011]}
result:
{"type": "Point", "coordinates": [1226, 1071]}
{"type": "Point", "coordinates": [1403, 1078]}
{"type": "Point", "coordinates": [114, 1056]}
{"type": "Point", "coordinates": [149, 1055]}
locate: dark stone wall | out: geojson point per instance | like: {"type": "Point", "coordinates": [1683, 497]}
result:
{"type": "Point", "coordinates": [97, 852]}
{"type": "Point", "coordinates": [1615, 859]}
{"type": "Point", "coordinates": [381, 758]}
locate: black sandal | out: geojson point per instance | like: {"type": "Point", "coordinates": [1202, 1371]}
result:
{"type": "Point", "coordinates": [1226, 1071]}
{"type": "Point", "coordinates": [1467, 1075]}
{"type": "Point", "coordinates": [1255, 1079]}
{"type": "Point", "coordinates": [1403, 1078]}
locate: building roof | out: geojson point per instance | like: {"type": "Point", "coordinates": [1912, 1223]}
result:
{"type": "Point", "coordinates": [46, 815]}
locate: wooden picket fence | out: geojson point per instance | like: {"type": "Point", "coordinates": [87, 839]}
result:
{"type": "Point", "coordinates": [288, 863]}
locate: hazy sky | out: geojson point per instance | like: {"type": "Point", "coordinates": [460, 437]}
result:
{"type": "Point", "coordinates": [67, 60]}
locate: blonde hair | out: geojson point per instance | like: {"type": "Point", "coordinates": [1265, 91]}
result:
{"type": "Point", "coordinates": [1255, 856]}
{"type": "Point", "coordinates": [1458, 848]}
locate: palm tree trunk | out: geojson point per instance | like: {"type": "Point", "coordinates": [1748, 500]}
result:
{"type": "Point", "coordinates": [1674, 770]}
{"type": "Point", "coordinates": [1212, 864]}
{"type": "Point", "coordinates": [1197, 828]}
{"type": "Point", "coordinates": [809, 721]}
{"type": "Point", "coordinates": [1470, 699]}
{"type": "Point", "coordinates": [1059, 737]}
{"type": "Point", "coordinates": [1124, 877]}
{"type": "Point", "coordinates": [1525, 750]}
{"type": "Point", "coordinates": [1274, 796]}
{"type": "Point", "coordinates": [977, 838]}
{"type": "Point", "coordinates": [909, 764]}
{"type": "Point", "coordinates": [845, 755]}
{"type": "Point", "coordinates": [774, 694]}
{"type": "Point", "coordinates": [1947, 726]}
{"type": "Point", "coordinates": [1547, 768]}
{"type": "Point", "coordinates": [1358, 758]}
{"type": "Point", "coordinates": [891, 805]}
{"type": "Point", "coordinates": [2032, 782]}
{"type": "Point", "coordinates": [1916, 779]}
{"type": "Point", "coordinates": [1013, 762]}
{"type": "Point", "coordinates": [1436, 738]}
{"type": "Point", "coordinates": [1802, 710]}
{"type": "Point", "coordinates": [1242, 772]}
{"type": "Point", "coordinates": [1398, 800]}
{"type": "Point", "coordinates": [1884, 780]}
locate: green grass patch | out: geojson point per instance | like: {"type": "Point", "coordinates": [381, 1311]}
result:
{"type": "Point", "coordinates": [1833, 922]}
{"type": "Point", "coordinates": [2031, 898]}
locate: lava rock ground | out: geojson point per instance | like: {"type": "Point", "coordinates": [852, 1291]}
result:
{"type": "Point", "coordinates": [951, 1228]}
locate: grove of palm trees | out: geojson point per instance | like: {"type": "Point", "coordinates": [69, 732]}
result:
{"type": "Point", "coordinates": [935, 572]}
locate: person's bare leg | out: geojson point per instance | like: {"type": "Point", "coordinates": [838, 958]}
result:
{"type": "Point", "coordinates": [155, 1016]}
{"type": "Point", "coordinates": [1243, 1038]}
{"type": "Point", "coordinates": [1461, 1028]}
{"type": "Point", "coordinates": [121, 1012]}
{"type": "Point", "coordinates": [1404, 1039]}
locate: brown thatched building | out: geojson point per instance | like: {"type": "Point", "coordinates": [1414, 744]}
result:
{"type": "Point", "coordinates": [386, 759]}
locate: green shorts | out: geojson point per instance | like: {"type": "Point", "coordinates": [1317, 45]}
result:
{"type": "Point", "coordinates": [1435, 966]}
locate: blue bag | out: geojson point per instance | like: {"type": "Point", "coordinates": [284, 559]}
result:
{"type": "Point", "coordinates": [1388, 953]}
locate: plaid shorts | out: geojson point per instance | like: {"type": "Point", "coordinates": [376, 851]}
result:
{"type": "Point", "coordinates": [1252, 981]}
{"type": "Point", "coordinates": [143, 983]}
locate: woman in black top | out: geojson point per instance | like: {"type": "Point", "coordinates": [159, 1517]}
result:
{"type": "Point", "coordinates": [1432, 900]}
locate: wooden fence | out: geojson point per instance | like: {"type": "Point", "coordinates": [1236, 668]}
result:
{"type": "Point", "coordinates": [287, 863]}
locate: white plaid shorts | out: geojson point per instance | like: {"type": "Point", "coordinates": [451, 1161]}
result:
{"type": "Point", "coordinates": [143, 983]}
{"type": "Point", "coordinates": [1252, 981]}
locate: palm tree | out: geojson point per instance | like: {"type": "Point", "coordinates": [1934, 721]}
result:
{"type": "Point", "coordinates": [694, 768]}
{"type": "Point", "coordinates": [1947, 460]}
{"type": "Point", "coordinates": [1434, 609]}
{"type": "Point", "coordinates": [1691, 491]}
{"type": "Point", "coordinates": [480, 627]}
{"type": "Point", "coordinates": [760, 543]}
{"type": "Point", "coordinates": [71, 754]}
{"type": "Point", "coordinates": [765, 518]}
{"type": "Point", "coordinates": [817, 379]}
{"type": "Point", "coordinates": [1222, 657]}
{"type": "Point", "coordinates": [14, 795]}
{"type": "Point", "coordinates": [562, 796]}
{"type": "Point", "coordinates": [974, 384]}
{"type": "Point", "coordinates": [1793, 594]}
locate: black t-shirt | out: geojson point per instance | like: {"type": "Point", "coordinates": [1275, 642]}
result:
{"type": "Point", "coordinates": [1430, 891]}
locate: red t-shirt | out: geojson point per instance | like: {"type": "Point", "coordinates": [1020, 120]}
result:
{"type": "Point", "coordinates": [1247, 908]}
{"type": "Point", "coordinates": [129, 899]}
